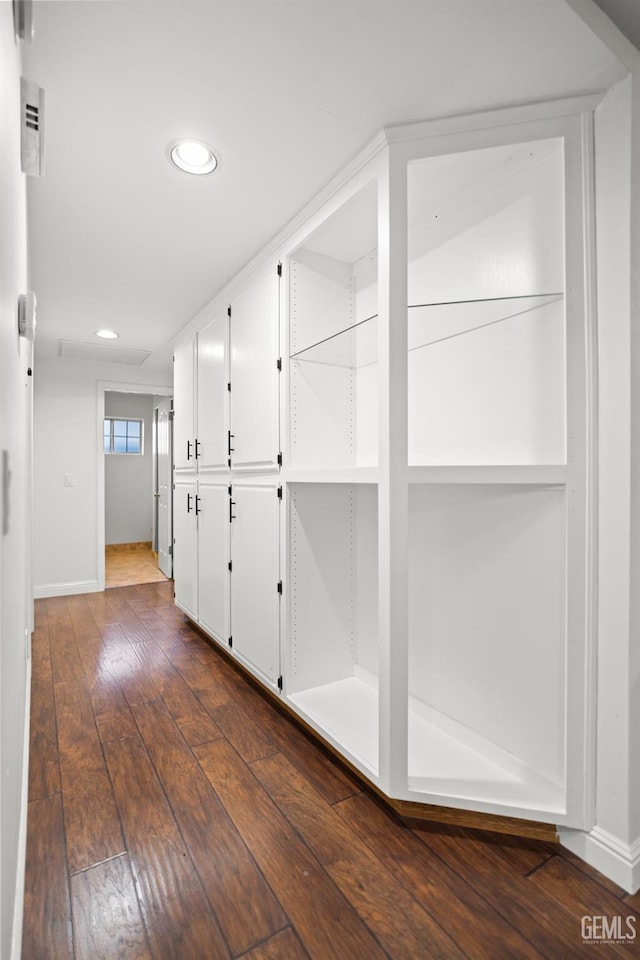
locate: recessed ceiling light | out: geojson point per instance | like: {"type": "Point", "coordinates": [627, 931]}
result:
{"type": "Point", "coordinates": [193, 156]}
{"type": "Point", "coordinates": [107, 334]}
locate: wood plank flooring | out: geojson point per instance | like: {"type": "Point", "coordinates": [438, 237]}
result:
{"type": "Point", "coordinates": [176, 814]}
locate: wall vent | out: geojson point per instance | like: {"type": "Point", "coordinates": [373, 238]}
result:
{"type": "Point", "coordinates": [100, 353]}
{"type": "Point", "coordinates": [32, 128]}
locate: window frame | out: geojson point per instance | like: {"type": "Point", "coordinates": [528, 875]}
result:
{"type": "Point", "coordinates": [112, 420]}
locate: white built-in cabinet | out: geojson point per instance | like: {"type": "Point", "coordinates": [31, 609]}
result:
{"type": "Point", "coordinates": [227, 533]}
{"type": "Point", "coordinates": [409, 432]}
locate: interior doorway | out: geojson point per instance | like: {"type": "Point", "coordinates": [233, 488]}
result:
{"type": "Point", "coordinates": [134, 484]}
{"type": "Point", "coordinates": [162, 468]}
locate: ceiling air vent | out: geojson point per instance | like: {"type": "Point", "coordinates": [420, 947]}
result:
{"type": "Point", "coordinates": [100, 353]}
{"type": "Point", "coordinates": [32, 128]}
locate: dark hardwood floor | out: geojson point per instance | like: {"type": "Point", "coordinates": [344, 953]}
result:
{"type": "Point", "coordinates": [176, 814]}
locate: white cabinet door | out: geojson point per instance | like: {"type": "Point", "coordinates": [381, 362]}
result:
{"type": "Point", "coordinates": [183, 403]}
{"type": "Point", "coordinates": [185, 558]}
{"type": "Point", "coordinates": [255, 597]}
{"type": "Point", "coordinates": [212, 440]}
{"type": "Point", "coordinates": [254, 343]}
{"type": "Point", "coordinates": [213, 559]}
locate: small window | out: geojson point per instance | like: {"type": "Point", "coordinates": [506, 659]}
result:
{"type": "Point", "coordinates": [123, 436]}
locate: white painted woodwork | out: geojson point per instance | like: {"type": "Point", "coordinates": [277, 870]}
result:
{"type": "Point", "coordinates": [487, 626]}
{"type": "Point", "coordinates": [164, 497]}
{"type": "Point", "coordinates": [333, 610]}
{"type": "Point", "coordinates": [185, 547]}
{"type": "Point", "coordinates": [184, 395]}
{"type": "Point", "coordinates": [255, 383]}
{"type": "Point", "coordinates": [435, 470]}
{"type": "Point", "coordinates": [255, 555]}
{"type": "Point", "coordinates": [333, 339]}
{"type": "Point", "coordinates": [212, 395]}
{"type": "Point", "coordinates": [472, 696]}
{"type": "Point", "coordinates": [213, 559]}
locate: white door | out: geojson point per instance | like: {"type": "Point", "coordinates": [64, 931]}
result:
{"type": "Point", "coordinates": [164, 525]}
{"type": "Point", "coordinates": [254, 341]}
{"type": "Point", "coordinates": [185, 557]}
{"type": "Point", "coordinates": [213, 558]}
{"type": "Point", "coordinates": [183, 405]}
{"type": "Point", "coordinates": [212, 364]}
{"type": "Point", "coordinates": [255, 578]}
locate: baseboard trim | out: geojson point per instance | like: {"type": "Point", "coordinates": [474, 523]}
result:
{"type": "Point", "coordinates": [18, 903]}
{"type": "Point", "coordinates": [43, 590]}
{"type": "Point", "coordinates": [617, 860]}
{"type": "Point", "coordinates": [111, 548]}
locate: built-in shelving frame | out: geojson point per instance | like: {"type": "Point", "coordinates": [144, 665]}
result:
{"type": "Point", "coordinates": [394, 475]}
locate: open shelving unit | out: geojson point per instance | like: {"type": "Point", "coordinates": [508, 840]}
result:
{"type": "Point", "coordinates": [333, 347]}
{"type": "Point", "coordinates": [333, 620]}
{"type": "Point", "coordinates": [463, 685]}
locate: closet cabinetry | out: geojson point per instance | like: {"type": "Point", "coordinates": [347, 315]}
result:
{"type": "Point", "coordinates": [414, 579]}
{"type": "Point", "coordinates": [226, 532]}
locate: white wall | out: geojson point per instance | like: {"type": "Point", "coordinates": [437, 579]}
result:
{"type": "Point", "coordinates": [68, 440]}
{"type": "Point", "coordinates": [613, 845]}
{"type": "Point", "coordinates": [128, 479]}
{"type": "Point", "coordinates": [15, 596]}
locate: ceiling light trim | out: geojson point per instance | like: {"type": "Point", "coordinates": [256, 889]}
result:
{"type": "Point", "coordinates": [190, 155]}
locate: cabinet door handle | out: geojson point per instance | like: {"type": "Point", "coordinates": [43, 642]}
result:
{"type": "Point", "coordinates": [198, 510]}
{"type": "Point", "coordinates": [230, 437]}
{"type": "Point", "coordinates": [189, 445]}
{"type": "Point", "coordinates": [189, 499]}
{"type": "Point", "coordinates": [232, 515]}
{"type": "Point", "coordinates": [197, 451]}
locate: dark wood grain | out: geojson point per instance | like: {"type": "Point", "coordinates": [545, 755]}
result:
{"type": "Point", "coordinates": [244, 904]}
{"type": "Point", "coordinates": [110, 708]}
{"type": "Point", "coordinates": [106, 916]}
{"type": "Point", "coordinates": [398, 920]}
{"type": "Point", "coordinates": [219, 828]}
{"type": "Point", "coordinates": [44, 768]}
{"type": "Point", "coordinates": [481, 932]}
{"type": "Point", "coordinates": [283, 946]}
{"type": "Point", "coordinates": [91, 820]}
{"type": "Point", "coordinates": [331, 780]}
{"type": "Point", "coordinates": [536, 914]}
{"type": "Point", "coordinates": [327, 926]}
{"type": "Point", "coordinates": [65, 655]}
{"type": "Point", "coordinates": [47, 918]}
{"type": "Point", "coordinates": [582, 896]}
{"type": "Point", "coordinates": [179, 699]}
{"type": "Point", "coordinates": [177, 914]}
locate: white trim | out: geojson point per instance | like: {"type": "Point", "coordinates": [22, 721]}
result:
{"type": "Point", "coordinates": [18, 903]}
{"type": "Point", "coordinates": [490, 119]}
{"type": "Point", "coordinates": [618, 860]}
{"type": "Point", "coordinates": [102, 387]}
{"type": "Point", "coordinates": [66, 589]}
{"type": "Point", "coordinates": [607, 32]}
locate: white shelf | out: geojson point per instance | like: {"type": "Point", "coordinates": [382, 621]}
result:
{"type": "Point", "coordinates": [346, 712]}
{"type": "Point", "coordinates": [445, 759]}
{"type": "Point", "coordinates": [339, 475]}
{"type": "Point", "coordinates": [535, 474]}
{"type": "Point", "coordinates": [448, 760]}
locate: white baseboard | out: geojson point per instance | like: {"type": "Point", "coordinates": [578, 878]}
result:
{"type": "Point", "coordinates": [65, 589]}
{"type": "Point", "coordinates": [617, 860]}
{"type": "Point", "coordinates": [18, 903]}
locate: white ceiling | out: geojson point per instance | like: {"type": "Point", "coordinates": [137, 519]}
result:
{"type": "Point", "coordinates": [286, 90]}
